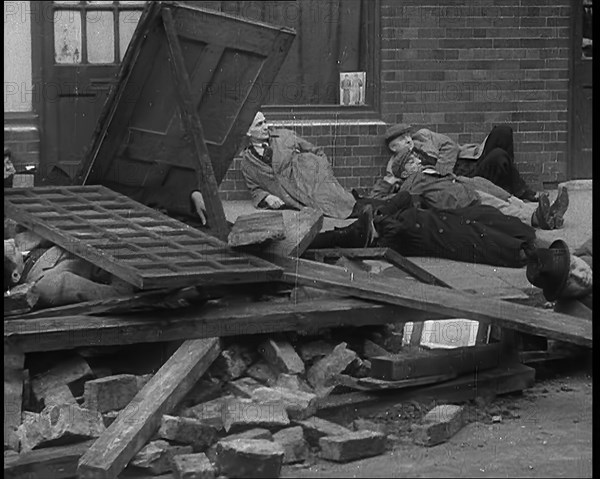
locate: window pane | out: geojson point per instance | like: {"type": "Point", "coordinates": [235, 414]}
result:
{"type": "Point", "coordinates": [128, 20]}
{"type": "Point", "coordinates": [67, 36]}
{"type": "Point", "coordinates": [100, 36]}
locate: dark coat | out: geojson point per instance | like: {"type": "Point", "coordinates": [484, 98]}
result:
{"type": "Point", "coordinates": [476, 234]}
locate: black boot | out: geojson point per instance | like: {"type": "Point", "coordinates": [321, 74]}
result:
{"type": "Point", "coordinates": [357, 235]}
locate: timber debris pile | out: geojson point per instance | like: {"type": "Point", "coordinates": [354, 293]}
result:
{"type": "Point", "coordinates": [231, 348]}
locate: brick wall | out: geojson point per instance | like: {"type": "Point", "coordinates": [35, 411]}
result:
{"type": "Point", "coordinates": [460, 70]}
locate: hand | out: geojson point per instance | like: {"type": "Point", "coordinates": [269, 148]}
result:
{"type": "Point", "coordinates": [200, 206]}
{"type": "Point", "coordinates": [273, 202]}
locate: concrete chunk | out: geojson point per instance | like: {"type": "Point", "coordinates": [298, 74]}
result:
{"type": "Point", "coordinates": [282, 356]}
{"type": "Point", "coordinates": [293, 382]}
{"type": "Point", "coordinates": [321, 374]}
{"type": "Point", "coordinates": [298, 404]}
{"type": "Point", "coordinates": [186, 430]}
{"type": "Point", "coordinates": [59, 395]}
{"type": "Point", "coordinates": [249, 458]}
{"type": "Point", "coordinates": [263, 372]}
{"type": "Point", "coordinates": [156, 457]}
{"type": "Point", "coordinates": [315, 350]}
{"type": "Point", "coordinates": [439, 425]}
{"type": "Point", "coordinates": [232, 362]}
{"type": "Point", "coordinates": [193, 466]}
{"type": "Point", "coordinates": [64, 373]}
{"type": "Point", "coordinates": [352, 446]}
{"type": "Point", "coordinates": [255, 433]}
{"type": "Point", "coordinates": [294, 445]}
{"type": "Point", "coordinates": [239, 414]}
{"type": "Point", "coordinates": [110, 393]}
{"type": "Point", "coordinates": [209, 412]}
{"type": "Point", "coordinates": [315, 428]}
{"type": "Point", "coordinates": [244, 387]}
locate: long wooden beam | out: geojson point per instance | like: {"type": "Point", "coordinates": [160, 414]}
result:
{"type": "Point", "coordinates": [211, 320]}
{"type": "Point", "coordinates": [438, 300]}
{"type": "Point", "coordinates": [136, 424]}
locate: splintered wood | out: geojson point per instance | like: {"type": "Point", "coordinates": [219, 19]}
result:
{"type": "Point", "coordinates": [257, 228]}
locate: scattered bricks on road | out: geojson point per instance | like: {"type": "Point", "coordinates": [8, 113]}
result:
{"type": "Point", "coordinates": [185, 430]}
{"type": "Point", "coordinates": [232, 362]}
{"type": "Point", "coordinates": [439, 425]}
{"type": "Point", "coordinates": [193, 466]}
{"type": "Point", "coordinates": [321, 374]}
{"type": "Point", "coordinates": [263, 372]}
{"type": "Point", "coordinates": [244, 387]}
{"type": "Point", "coordinates": [293, 382]}
{"type": "Point", "coordinates": [110, 393]}
{"type": "Point", "coordinates": [156, 457]}
{"type": "Point", "coordinates": [249, 458]}
{"type": "Point", "coordinates": [295, 447]}
{"type": "Point", "coordinates": [315, 428]}
{"type": "Point", "coordinates": [352, 446]}
{"type": "Point", "coordinates": [209, 412]}
{"type": "Point", "coordinates": [239, 414]}
{"type": "Point", "coordinates": [64, 373]}
{"type": "Point", "coordinates": [282, 356]}
{"type": "Point", "coordinates": [59, 424]}
{"type": "Point", "coordinates": [256, 433]}
{"type": "Point", "coordinates": [315, 350]}
{"type": "Point", "coordinates": [298, 404]}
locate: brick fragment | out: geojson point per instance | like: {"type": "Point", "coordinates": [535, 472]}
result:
{"type": "Point", "coordinates": [293, 382]}
{"type": "Point", "coordinates": [249, 458]}
{"type": "Point", "coordinates": [232, 362]}
{"type": "Point", "coordinates": [156, 457]}
{"type": "Point", "coordinates": [315, 428]}
{"type": "Point", "coordinates": [244, 387]}
{"type": "Point", "coordinates": [315, 350]}
{"type": "Point", "coordinates": [439, 425]}
{"type": "Point", "coordinates": [321, 374]}
{"type": "Point", "coordinates": [295, 447]}
{"type": "Point", "coordinates": [352, 446]}
{"type": "Point", "coordinates": [263, 372]}
{"type": "Point", "coordinates": [298, 404]}
{"type": "Point", "coordinates": [110, 393]}
{"type": "Point", "coordinates": [255, 433]}
{"type": "Point", "coordinates": [209, 412]}
{"type": "Point", "coordinates": [239, 414]}
{"type": "Point", "coordinates": [282, 356]}
{"type": "Point", "coordinates": [193, 466]}
{"type": "Point", "coordinates": [186, 430]}
{"type": "Point", "coordinates": [65, 373]}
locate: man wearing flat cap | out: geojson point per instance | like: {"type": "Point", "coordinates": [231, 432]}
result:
{"type": "Point", "coordinates": [493, 159]}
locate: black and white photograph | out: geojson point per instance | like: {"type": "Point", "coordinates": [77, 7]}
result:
{"type": "Point", "coordinates": [298, 238]}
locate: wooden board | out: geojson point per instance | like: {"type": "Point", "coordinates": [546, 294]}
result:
{"type": "Point", "coordinates": [136, 424]}
{"type": "Point", "coordinates": [134, 242]}
{"type": "Point", "coordinates": [301, 227]}
{"type": "Point", "coordinates": [374, 384]}
{"type": "Point", "coordinates": [257, 228]}
{"type": "Point", "coordinates": [211, 320]}
{"type": "Point", "coordinates": [58, 462]}
{"type": "Point", "coordinates": [188, 88]}
{"type": "Point", "coordinates": [14, 360]}
{"type": "Point", "coordinates": [437, 300]}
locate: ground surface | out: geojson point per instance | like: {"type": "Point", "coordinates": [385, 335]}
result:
{"type": "Point", "coordinates": [544, 432]}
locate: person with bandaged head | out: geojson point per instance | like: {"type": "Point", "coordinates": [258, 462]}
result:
{"type": "Point", "coordinates": [283, 170]}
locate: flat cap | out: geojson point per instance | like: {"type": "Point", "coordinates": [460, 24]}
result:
{"type": "Point", "coordinates": [397, 130]}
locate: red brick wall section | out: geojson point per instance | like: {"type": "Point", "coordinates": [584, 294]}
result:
{"type": "Point", "coordinates": [460, 70]}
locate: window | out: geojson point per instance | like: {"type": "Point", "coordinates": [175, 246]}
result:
{"type": "Point", "coordinates": [332, 37]}
{"type": "Point", "coordinates": [93, 32]}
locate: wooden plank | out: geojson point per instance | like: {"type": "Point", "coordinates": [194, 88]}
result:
{"type": "Point", "coordinates": [134, 242]}
{"type": "Point", "coordinates": [492, 382]}
{"type": "Point", "coordinates": [415, 363]}
{"type": "Point", "coordinates": [413, 269]}
{"type": "Point", "coordinates": [59, 462]}
{"type": "Point", "coordinates": [301, 227]}
{"type": "Point", "coordinates": [183, 91]}
{"type": "Point", "coordinates": [20, 299]}
{"type": "Point", "coordinates": [211, 320]}
{"type": "Point", "coordinates": [442, 301]}
{"type": "Point", "coordinates": [136, 424]}
{"type": "Point", "coordinates": [350, 253]}
{"type": "Point", "coordinates": [374, 384]}
{"type": "Point", "coordinates": [257, 228]}
{"type": "Point", "coordinates": [14, 360]}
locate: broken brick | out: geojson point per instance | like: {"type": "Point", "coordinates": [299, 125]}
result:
{"type": "Point", "coordinates": [64, 373]}
{"type": "Point", "coordinates": [352, 446]}
{"type": "Point", "coordinates": [439, 425]}
{"type": "Point", "coordinates": [249, 458]}
{"type": "Point", "coordinates": [232, 362]}
{"type": "Point", "coordinates": [244, 387]}
{"type": "Point", "coordinates": [282, 356]}
{"type": "Point", "coordinates": [241, 413]}
{"type": "Point", "coordinates": [110, 393]}
{"type": "Point", "coordinates": [156, 457]}
{"type": "Point", "coordinates": [295, 447]}
{"type": "Point", "coordinates": [193, 466]}
{"type": "Point", "coordinates": [209, 412]}
{"type": "Point", "coordinates": [255, 433]}
{"type": "Point", "coordinates": [186, 430]}
{"type": "Point", "coordinates": [315, 428]}
{"type": "Point", "coordinates": [322, 373]}
{"type": "Point", "coordinates": [59, 395]}
{"type": "Point", "coordinates": [263, 372]}
{"type": "Point", "coordinates": [293, 382]}
{"type": "Point", "coordinates": [298, 404]}
{"type": "Point", "coordinates": [315, 350]}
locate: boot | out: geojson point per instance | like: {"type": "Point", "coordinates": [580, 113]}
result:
{"type": "Point", "coordinates": [541, 216]}
{"type": "Point", "coordinates": [357, 235]}
{"type": "Point", "coordinates": [559, 208]}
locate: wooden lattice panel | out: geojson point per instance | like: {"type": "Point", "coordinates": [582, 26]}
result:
{"type": "Point", "coordinates": [138, 244]}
